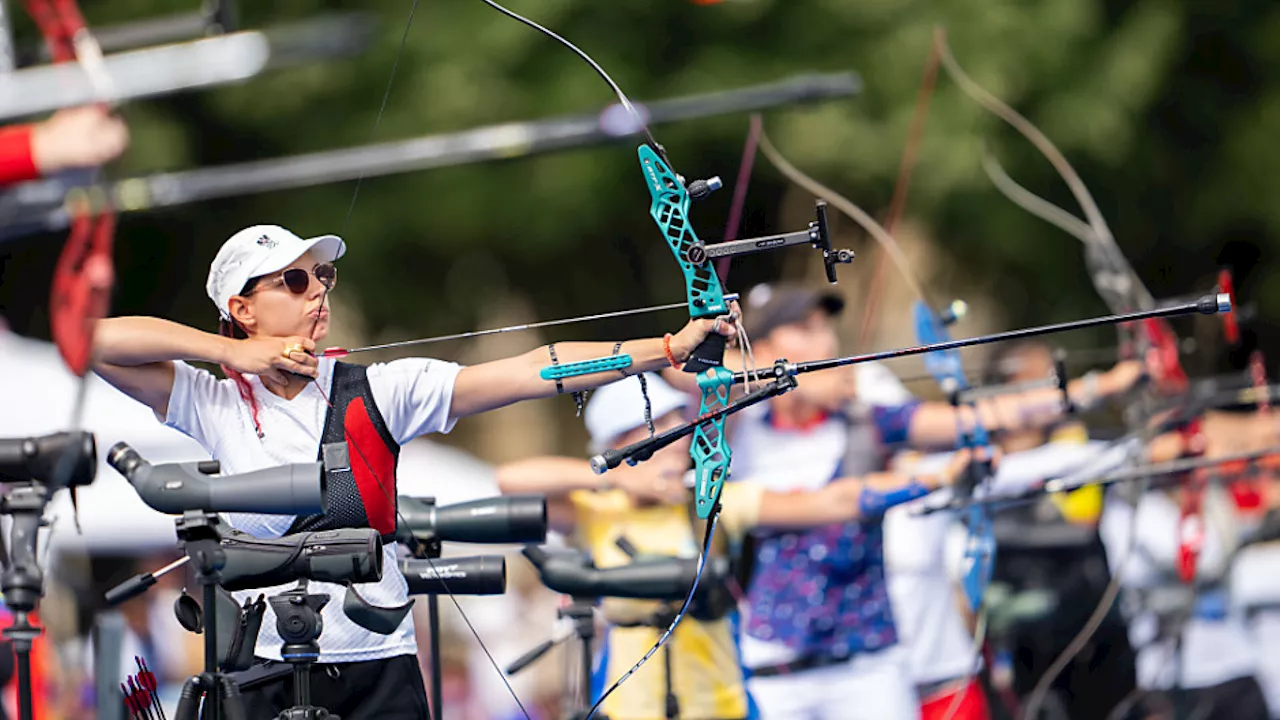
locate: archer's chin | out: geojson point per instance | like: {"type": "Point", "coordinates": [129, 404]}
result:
{"type": "Point", "coordinates": [320, 331]}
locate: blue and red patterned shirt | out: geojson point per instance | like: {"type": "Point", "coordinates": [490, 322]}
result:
{"type": "Point", "coordinates": [820, 591]}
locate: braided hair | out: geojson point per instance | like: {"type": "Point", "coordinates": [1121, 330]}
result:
{"type": "Point", "coordinates": [230, 328]}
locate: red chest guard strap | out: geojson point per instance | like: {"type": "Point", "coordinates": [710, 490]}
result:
{"type": "Point", "coordinates": [364, 494]}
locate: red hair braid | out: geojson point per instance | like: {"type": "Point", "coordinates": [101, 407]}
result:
{"type": "Point", "coordinates": [231, 329]}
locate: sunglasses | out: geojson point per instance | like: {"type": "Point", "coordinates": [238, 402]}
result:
{"type": "Point", "coordinates": [298, 280]}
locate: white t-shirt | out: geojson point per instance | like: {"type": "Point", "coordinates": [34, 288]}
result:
{"type": "Point", "coordinates": [1255, 591]}
{"type": "Point", "coordinates": [923, 553]}
{"type": "Point", "coordinates": [1214, 651]}
{"type": "Point", "coordinates": [413, 395]}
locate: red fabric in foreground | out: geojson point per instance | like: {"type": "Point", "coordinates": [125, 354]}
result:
{"type": "Point", "coordinates": [973, 706]}
{"type": "Point", "coordinates": [373, 466]}
{"type": "Point", "coordinates": [16, 161]}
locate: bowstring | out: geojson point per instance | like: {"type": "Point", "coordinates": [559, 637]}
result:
{"type": "Point", "coordinates": [625, 102]}
{"type": "Point", "coordinates": [652, 142]}
{"type": "Point", "coordinates": [349, 438]}
{"type": "Point", "coordinates": [622, 97]}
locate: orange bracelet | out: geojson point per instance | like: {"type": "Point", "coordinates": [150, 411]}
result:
{"type": "Point", "coordinates": [666, 348]}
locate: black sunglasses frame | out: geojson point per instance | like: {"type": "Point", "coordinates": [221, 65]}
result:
{"type": "Point", "coordinates": [297, 280]}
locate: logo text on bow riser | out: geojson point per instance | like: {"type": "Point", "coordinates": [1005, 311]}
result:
{"type": "Point", "coordinates": [653, 175]}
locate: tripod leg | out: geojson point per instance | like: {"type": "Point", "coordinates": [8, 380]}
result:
{"type": "Point", "coordinates": [437, 671]}
{"type": "Point", "coordinates": [24, 679]}
{"type": "Point", "coordinates": [232, 703]}
{"type": "Point", "coordinates": [673, 703]}
{"type": "Point", "coordinates": [189, 701]}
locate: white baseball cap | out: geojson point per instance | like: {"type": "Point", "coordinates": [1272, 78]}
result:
{"type": "Point", "coordinates": [261, 250]}
{"type": "Point", "coordinates": [618, 407]}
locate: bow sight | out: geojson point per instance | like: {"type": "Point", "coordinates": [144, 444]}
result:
{"type": "Point", "coordinates": [817, 235]}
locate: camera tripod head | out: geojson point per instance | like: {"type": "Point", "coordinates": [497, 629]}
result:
{"type": "Point", "coordinates": [299, 623]}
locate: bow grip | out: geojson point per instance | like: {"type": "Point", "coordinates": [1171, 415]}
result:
{"type": "Point", "coordinates": [708, 354]}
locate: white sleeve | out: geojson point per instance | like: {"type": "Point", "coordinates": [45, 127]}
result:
{"type": "Point", "coordinates": [414, 396]}
{"type": "Point", "coordinates": [193, 402]}
{"type": "Point", "coordinates": [1075, 464]}
{"type": "Point", "coordinates": [1147, 542]}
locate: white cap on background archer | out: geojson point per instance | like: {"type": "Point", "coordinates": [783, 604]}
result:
{"type": "Point", "coordinates": [261, 250]}
{"type": "Point", "coordinates": [618, 408]}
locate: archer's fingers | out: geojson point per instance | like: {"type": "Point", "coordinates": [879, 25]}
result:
{"type": "Point", "coordinates": [304, 358]}
{"type": "Point", "coordinates": [723, 326]}
{"type": "Point", "coordinates": [307, 343]}
{"type": "Point", "coordinates": [298, 368]}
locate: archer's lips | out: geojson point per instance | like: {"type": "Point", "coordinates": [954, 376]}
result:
{"type": "Point", "coordinates": [319, 314]}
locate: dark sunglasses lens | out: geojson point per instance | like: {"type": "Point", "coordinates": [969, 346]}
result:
{"type": "Point", "coordinates": [296, 280]}
{"type": "Point", "coordinates": [327, 274]}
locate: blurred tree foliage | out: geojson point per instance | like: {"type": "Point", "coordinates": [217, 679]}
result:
{"type": "Point", "coordinates": [1166, 108]}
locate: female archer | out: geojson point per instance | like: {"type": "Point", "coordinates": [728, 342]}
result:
{"type": "Point", "coordinates": [280, 402]}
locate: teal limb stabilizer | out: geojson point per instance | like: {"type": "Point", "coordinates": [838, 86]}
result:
{"type": "Point", "coordinates": [586, 367]}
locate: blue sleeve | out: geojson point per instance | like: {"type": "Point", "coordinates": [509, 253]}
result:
{"type": "Point", "coordinates": [893, 422]}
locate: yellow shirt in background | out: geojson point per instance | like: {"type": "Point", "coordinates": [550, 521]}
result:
{"type": "Point", "coordinates": [1083, 506]}
{"type": "Point", "coordinates": [705, 673]}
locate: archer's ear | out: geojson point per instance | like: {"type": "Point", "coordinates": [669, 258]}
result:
{"type": "Point", "coordinates": [241, 312]}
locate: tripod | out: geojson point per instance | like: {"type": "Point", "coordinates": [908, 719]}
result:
{"type": "Point", "coordinates": [199, 534]}
{"type": "Point", "coordinates": [582, 612]}
{"type": "Point", "coordinates": [299, 623]}
{"type": "Point", "coordinates": [22, 582]}
{"type": "Point", "coordinates": [660, 621]}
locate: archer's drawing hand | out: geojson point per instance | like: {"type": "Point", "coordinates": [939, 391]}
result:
{"type": "Point", "coordinates": [265, 357]}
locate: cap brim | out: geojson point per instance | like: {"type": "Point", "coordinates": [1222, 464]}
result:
{"type": "Point", "coordinates": [325, 248]}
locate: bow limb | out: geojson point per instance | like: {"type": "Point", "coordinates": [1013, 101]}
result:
{"type": "Point", "coordinates": [1114, 279]}
{"type": "Point", "coordinates": [1034, 204]}
{"type": "Point", "coordinates": [738, 206]}
{"type": "Point", "coordinates": [1121, 285]}
{"type": "Point", "coordinates": [82, 281]}
{"type": "Point", "coordinates": [1032, 133]}
{"type": "Point", "coordinates": [1112, 274]}
{"type": "Point", "coordinates": [898, 202]}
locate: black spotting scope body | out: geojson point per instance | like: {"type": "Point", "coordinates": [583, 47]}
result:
{"type": "Point", "coordinates": [349, 555]}
{"type": "Point", "coordinates": [66, 459]}
{"type": "Point", "coordinates": [514, 519]}
{"type": "Point", "coordinates": [662, 578]}
{"type": "Point", "coordinates": [478, 575]}
{"type": "Point", "coordinates": [174, 488]}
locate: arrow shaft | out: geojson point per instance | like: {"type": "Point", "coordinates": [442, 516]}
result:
{"type": "Point", "coordinates": [1172, 311]}
{"type": "Point", "coordinates": [340, 352]}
